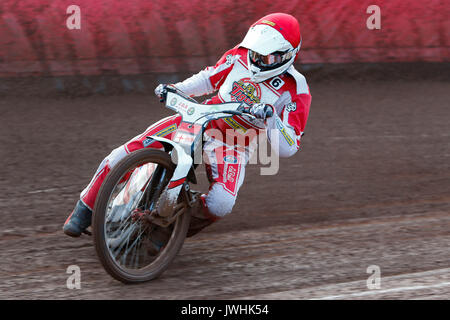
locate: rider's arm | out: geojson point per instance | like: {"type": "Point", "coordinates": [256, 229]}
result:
{"type": "Point", "coordinates": [211, 78]}
{"type": "Point", "coordinates": [196, 85]}
{"type": "Point", "coordinates": [286, 127]}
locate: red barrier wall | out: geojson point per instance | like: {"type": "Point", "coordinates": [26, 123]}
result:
{"type": "Point", "coordinates": [140, 36]}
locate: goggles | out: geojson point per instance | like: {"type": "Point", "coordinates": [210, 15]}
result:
{"type": "Point", "coordinates": [272, 59]}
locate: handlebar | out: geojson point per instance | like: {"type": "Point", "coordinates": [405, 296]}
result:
{"type": "Point", "coordinates": [241, 110]}
{"type": "Point", "coordinates": [233, 112]}
{"type": "Point", "coordinates": [177, 91]}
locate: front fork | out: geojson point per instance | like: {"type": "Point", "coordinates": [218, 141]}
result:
{"type": "Point", "coordinates": [168, 208]}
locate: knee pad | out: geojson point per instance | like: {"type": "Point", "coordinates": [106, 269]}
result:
{"type": "Point", "coordinates": [219, 201]}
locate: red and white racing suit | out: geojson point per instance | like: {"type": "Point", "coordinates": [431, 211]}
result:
{"type": "Point", "coordinates": [288, 93]}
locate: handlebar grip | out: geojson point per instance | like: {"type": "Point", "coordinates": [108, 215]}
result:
{"type": "Point", "coordinates": [180, 93]}
{"type": "Point", "coordinates": [268, 113]}
{"type": "Point", "coordinates": [163, 96]}
{"type": "Point", "coordinates": [166, 88]}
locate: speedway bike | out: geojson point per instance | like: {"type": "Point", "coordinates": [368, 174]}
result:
{"type": "Point", "coordinates": [150, 189]}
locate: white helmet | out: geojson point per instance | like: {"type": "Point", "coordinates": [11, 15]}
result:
{"type": "Point", "coordinates": [273, 42]}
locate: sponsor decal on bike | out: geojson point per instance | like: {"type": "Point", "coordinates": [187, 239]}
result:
{"type": "Point", "coordinates": [191, 111]}
{"type": "Point", "coordinates": [161, 133]}
{"type": "Point", "coordinates": [167, 130]}
{"type": "Point", "coordinates": [184, 137]}
{"type": "Point", "coordinates": [173, 102]}
{"type": "Point", "coordinates": [147, 142]}
{"type": "Point", "coordinates": [235, 125]}
{"type": "Point", "coordinates": [182, 105]}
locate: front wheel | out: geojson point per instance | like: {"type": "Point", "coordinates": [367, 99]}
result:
{"type": "Point", "coordinates": [123, 243]}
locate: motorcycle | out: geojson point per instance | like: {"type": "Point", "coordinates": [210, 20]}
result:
{"type": "Point", "coordinates": [150, 189]}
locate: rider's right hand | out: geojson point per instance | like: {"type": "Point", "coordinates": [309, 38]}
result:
{"type": "Point", "coordinates": [261, 110]}
{"type": "Point", "coordinates": [161, 92]}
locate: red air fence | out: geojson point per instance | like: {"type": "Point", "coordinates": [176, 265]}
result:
{"type": "Point", "coordinates": [142, 36]}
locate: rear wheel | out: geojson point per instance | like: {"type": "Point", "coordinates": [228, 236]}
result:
{"type": "Point", "coordinates": [123, 243]}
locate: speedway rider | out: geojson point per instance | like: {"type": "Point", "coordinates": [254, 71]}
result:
{"type": "Point", "coordinates": [260, 72]}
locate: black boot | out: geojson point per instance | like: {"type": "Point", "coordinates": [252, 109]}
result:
{"type": "Point", "coordinates": [78, 221]}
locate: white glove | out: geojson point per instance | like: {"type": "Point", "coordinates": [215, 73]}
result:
{"type": "Point", "coordinates": [261, 110]}
{"type": "Point", "coordinates": [160, 92]}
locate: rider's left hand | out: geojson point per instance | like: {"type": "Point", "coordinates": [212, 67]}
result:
{"type": "Point", "coordinates": [261, 110]}
{"type": "Point", "coordinates": [161, 91]}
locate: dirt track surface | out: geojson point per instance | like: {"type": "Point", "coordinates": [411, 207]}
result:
{"type": "Point", "coordinates": [370, 187]}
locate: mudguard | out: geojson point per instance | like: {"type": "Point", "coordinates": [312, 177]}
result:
{"type": "Point", "coordinates": [183, 162]}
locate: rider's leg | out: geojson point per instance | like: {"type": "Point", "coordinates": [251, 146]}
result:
{"type": "Point", "coordinates": [81, 216]}
{"type": "Point", "coordinates": [225, 167]}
